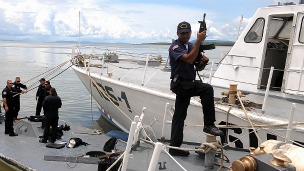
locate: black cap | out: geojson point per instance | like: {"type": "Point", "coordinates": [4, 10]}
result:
{"type": "Point", "coordinates": [183, 27]}
{"type": "Point", "coordinates": [42, 79]}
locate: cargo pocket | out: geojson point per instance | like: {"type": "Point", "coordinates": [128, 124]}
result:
{"type": "Point", "coordinates": [187, 85]}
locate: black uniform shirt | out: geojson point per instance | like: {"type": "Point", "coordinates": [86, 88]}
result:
{"type": "Point", "coordinates": [17, 88]}
{"type": "Point", "coordinates": [178, 66]}
{"type": "Point", "coordinates": [8, 94]}
{"type": "Point", "coordinates": [41, 92]}
{"type": "Point", "coordinates": [51, 104]}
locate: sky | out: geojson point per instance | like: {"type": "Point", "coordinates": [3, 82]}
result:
{"type": "Point", "coordinates": [122, 21]}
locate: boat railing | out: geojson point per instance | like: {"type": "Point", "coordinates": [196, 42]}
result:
{"type": "Point", "coordinates": [209, 148]}
{"type": "Point", "coordinates": [213, 68]}
{"type": "Point", "coordinates": [167, 113]}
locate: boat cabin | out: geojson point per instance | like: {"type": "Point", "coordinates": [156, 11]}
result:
{"type": "Point", "coordinates": [273, 38]}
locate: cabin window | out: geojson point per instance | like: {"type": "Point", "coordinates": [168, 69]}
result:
{"type": "Point", "coordinates": [301, 37]}
{"type": "Point", "coordinates": [255, 34]}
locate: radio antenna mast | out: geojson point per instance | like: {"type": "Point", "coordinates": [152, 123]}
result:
{"type": "Point", "coordinates": [241, 20]}
{"type": "Point", "coordinates": [79, 31]}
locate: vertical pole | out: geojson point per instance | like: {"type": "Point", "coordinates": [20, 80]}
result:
{"type": "Point", "coordinates": [155, 156]}
{"type": "Point", "coordinates": [128, 148]}
{"type": "Point", "coordinates": [211, 72]}
{"type": "Point", "coordinates": [164, 122]}
{"type": "Point", "coordinates": [79, 31]}
{"type": "Point", "coordinates": [138, 126]}
{"type": "Point", "coordinates": [291, 118]}
{"type": "Point", "coordinates": [241, 20]}
{"type": "Point", "coordinates": [144, 76]}
{"type": "Point", "coordinates": [72, 57]}
{"type": "Point", "coordinates": [267, 89]}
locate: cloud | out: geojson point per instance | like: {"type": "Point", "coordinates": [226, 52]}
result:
{"type": "Point", "coordinates": [118, 21]}
{"type": "Point", "coordinates": [123, 22]}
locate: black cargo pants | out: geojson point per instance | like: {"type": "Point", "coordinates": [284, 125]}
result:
{"type": "Point", "coordinates": [184, 90]}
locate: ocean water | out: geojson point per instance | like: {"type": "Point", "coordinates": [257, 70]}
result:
{"type": "Point", "coordinates": [31, 60]}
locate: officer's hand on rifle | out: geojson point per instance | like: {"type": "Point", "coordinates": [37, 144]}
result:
{"type": "Point", "coordinates": [201, 36]}
{"type": "Point", "coordinates": [204, 60]}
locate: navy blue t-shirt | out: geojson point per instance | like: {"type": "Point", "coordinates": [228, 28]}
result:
{"type": "Point", "coordinates": [178, 66]}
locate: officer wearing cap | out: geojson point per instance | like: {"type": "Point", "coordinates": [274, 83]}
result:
{"type": "Point", "coordinates": [40, 95]}
{"type": "Point", "coordinates": [8, 105]}
{"type": "Point", "coordinates": [182, 55]}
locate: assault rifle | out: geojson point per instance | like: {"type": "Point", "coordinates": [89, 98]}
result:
{"type": "Point", "coordinates": [202, 28]}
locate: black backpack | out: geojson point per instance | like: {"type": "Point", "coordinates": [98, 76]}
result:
{"type": "Point", "coordinates": [110, 145]}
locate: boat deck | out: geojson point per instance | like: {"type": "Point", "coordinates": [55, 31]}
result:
{"type": "Point", "coordinates": [26, 153]}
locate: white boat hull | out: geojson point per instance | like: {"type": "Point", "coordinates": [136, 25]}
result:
{"type": "Point", "coordinates": [129, 99]}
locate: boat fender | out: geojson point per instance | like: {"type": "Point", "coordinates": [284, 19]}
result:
{"type": "Point", "coordinates": [293, 152]}
{"type": "Point", "coordinates": [75, 142]}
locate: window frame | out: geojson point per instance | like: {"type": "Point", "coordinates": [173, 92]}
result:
{"type": "Point", "coordinates": [250, 30]}
{"type": "Point", "coordinates": [301, 29]}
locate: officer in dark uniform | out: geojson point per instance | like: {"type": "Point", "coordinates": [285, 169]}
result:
{"type": "Point", "coordinates": [18, 89]}
{"type": "Point", "coordinates": [51, 104]}
{"type": "Point", "coordinates": [48, 87]}
{"type": "Point", "coordinates": [8, 105]}
{"type": "Point", "coordinates": [40, 95]}
{"type": "Point", "coordinates": [182, 55]}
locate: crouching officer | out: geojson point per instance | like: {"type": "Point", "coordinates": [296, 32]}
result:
{"type": "Point", "coordinates": [8, 105]}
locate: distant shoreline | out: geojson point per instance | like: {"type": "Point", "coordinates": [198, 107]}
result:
{"type": "Point", "coordinates": [215, 42]}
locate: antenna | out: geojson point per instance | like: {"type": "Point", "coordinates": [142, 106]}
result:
{"type": "Point", "coordinates": [241, 20]}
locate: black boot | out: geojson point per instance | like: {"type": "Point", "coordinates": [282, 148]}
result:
{"type": "Point", "coordinates": [213, 130]}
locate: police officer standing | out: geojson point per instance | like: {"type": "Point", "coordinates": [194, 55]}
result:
{"type": "Point", "coordinates": [51, 104]}
{"type": "Point", "coordinates": [18, 89]}
{"type": "Point", "coordinates": [8, 105]}
{"type": "Point", "coordinates": [182, 55]}
{"type": "Point", "coordinates": [48, 87]}
{"type": "Point", "coordinates": [40, 95]}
